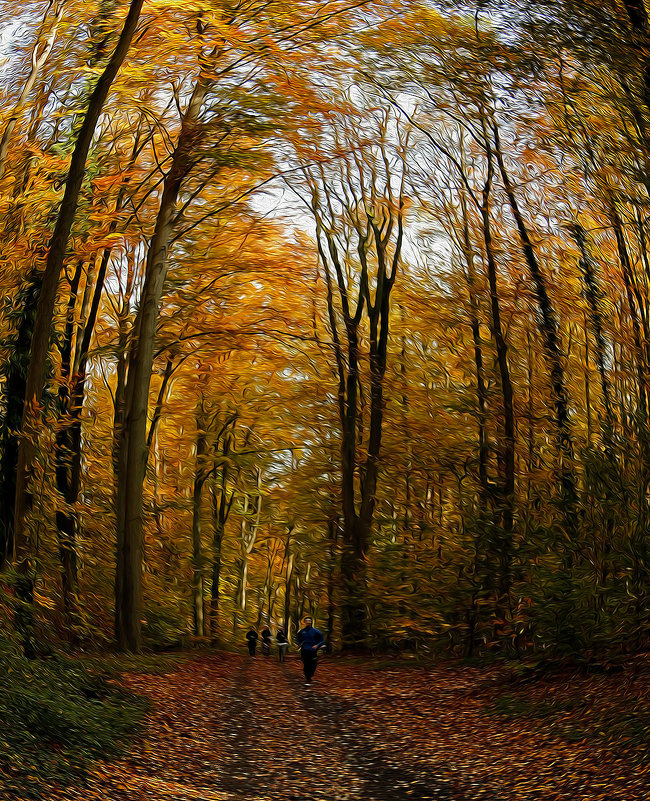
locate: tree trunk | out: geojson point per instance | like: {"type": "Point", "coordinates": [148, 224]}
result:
{"type": "Point", "coordinates": [65, 446]}
{"type": "Point", "coordinates": [133, 441]}
{"type": "Point", "coordinates": [217, 539]}
{"type": "Point", "coordinates": [549, 330]}
{"type": "Point", "coordinates": [593, 295]}
{"type": "Point", "coordinates": [288, 576]}
{"type": "Point", "coordinates": [221, 506]}
{"type": "Point", "coordinates": [634, 309]}
{"type": "Point", "coordinates": [481, 391]}
{"type": "Point", "coordinates": [332, 529]}
{"type": "Point", "coordinates": [197, 547]}
{"type": "Point", "coordinates": [13, 389]}
{"type": "Point", "coordinates": [41, 51]}
{"type": "Point", "coordinates": [36, 373]}
{"type": "Point", "coordinates": [507, 489]}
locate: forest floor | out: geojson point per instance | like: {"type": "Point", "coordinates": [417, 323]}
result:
{"type": "Point", "coordinates": [224, 727]}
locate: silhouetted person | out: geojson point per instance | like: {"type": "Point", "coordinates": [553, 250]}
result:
{"type": "Point", "coordinates": [310, 640]}
{"type": "Point", "coordinates": [266, 641]}
{"type": "Point", "coordinates": [251, 636]}
{"type": "Point", "coordinates": [283, 644]}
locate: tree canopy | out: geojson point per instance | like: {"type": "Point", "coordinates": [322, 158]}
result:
{"type": "Point", "coordinates": [333, 308]}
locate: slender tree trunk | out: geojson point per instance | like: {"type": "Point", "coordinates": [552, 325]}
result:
{"type": "Point", "coordinates": [332, 529]}
{"type": "Point", "coordinates": [118, 453]}
{"type": "Point", "coordinates": [632, 299]}
{"type": "Point", "coordinates": [197, 546]}
{"type": "Point", "coordinates": [593, 294]}
{"type": "Point", "coordinates": [481, 391]}
{"type": "Point", "coordinates": [221, 506]}
{"type": "Point", "coordinates": [40, 53]}
{"type": "Point", "coordinates": [217, 540]}
{"type": "Point", "coordinates": [288, 576]}
{"type": "Point", "coordinates": [36, 373]}
{"type": "Point", "coordinates": [133, 442]}
{"type": "Point", "coordinates": [65, 445]}
{"type": "Point", "coordinates": [75, 371]}
{"type": "Point", "coordinates": [549, 330]}
{"type": "Point", "coordinates": [13, 390]}
{"type": "Point", "coordinates": [506, 501]}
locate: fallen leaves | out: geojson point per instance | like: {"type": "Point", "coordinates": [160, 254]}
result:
{"type": "Point", "coordinates": [225, 728]}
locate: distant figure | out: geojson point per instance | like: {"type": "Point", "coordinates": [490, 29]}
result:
{"type": "Point", "coordinates": [251, 636]}
{"type": "Point", "coordinates": [310, 640]}
{"type": "Point", "coordinates": [283, 644]}
{"type": "Point", "coordinates": [266, 641]}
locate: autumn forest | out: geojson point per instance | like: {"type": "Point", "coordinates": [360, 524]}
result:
{"type": "Point", "coordinates": [330, 308]}
{"type": "Point", "coordinates": [326, 308]}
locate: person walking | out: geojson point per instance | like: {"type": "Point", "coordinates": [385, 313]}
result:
{"type": "Point", "coordinates": [266, 641]}
{"type": "Point", "coordinates": [310, 640]}
{"type": "Point", "coordinates": [283, 644]}
{"type": "Point", "coordinates": [251, 636]}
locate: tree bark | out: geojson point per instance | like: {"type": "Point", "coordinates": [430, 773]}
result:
{"type": "Point", "coordinates": [133, 440]}
{"type": "Point", "coordinates": [42, 48]}
{"type": "Point", "coordinates": [197, 546]}
{"type": "Point", "coordinates": [593, 295]}
{"type": "Point", "coordinates": [507, 488]}
{"type": "Point", "coordinates": [221, 506]}
{"type": "Point", "coordinates": [13, 389]}
{"type": "Point", "coordinates": [36, 373]}
{"type": "Point", "coordinates": [374, 235]}
{"type": "Point", "coordinates": [549, 330]}
{"type": "Point", "coordinates": [288, 576]}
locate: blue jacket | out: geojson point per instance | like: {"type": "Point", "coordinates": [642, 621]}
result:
{"type": "Point", "coordinates": [307, 638]}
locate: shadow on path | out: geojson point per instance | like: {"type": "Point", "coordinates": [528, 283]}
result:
{"type": "Point", "coordinates": [387, 772]}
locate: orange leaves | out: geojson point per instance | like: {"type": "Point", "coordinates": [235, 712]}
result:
{"type": "Point", "coordinates": [222, 726]}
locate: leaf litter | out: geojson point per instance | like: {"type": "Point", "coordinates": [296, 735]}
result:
{"type": "Point", "coordinates": [229, 728]}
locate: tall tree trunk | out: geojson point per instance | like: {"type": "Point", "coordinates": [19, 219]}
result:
{"type": "Point", "coordinates": [118, 454]}
{"type": "Point", "coordinates": [359, 481]}
{"type": "Point", "coordinates": [133, 441]}
{"type": "Point", "coordinates": [217, 540]}
{"type": "Point", "coordinates": [36, 373]}
{"type": "Point", "coordinates": [65, 446]}
{"type": "Point", "coordinates": [74, 370]}
{"type": "Point", "coordinates": [332, 530]}
{"type": "Point", "coordinates": [40, 53]}
{"type": "Point", "coordinates": [642, 364]}
{"type": "Point", "coordinates": [288, 576]}
{"type": "Point", "coordinates": [549, 330]}
{"type": "Point", "coordinates": [221, 506]}
{"type": "Point", "coordinates": [13, 390]}
{"type": "Point", "coordinates": [594, 294]}
{"type": "Point", "coordinates": [481, 390]}
{"type": "Point", "coordinates": [507, 489]}
{"type": "Point", "coordinates": [197, 546]}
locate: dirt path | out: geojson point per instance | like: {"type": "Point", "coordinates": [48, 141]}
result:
{"type": "Point", "coordinates": [230, 728]}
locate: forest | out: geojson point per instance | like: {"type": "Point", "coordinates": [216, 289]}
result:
{"type": "Point", "coordinates": [326, 308]}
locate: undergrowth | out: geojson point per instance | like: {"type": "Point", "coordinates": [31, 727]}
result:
{"type": "Point", "coordinates": [59, 715]}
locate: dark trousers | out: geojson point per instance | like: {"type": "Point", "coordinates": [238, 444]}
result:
{"type": "Point", "coordinates": [282, 650]}
{"type": "Point", "coordinates": [309, 660]}
{"type": "Point", "coordinates": [251, 647]}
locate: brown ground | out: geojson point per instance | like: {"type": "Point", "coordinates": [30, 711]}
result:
{"type": "Point", "coordinates": [231, 728]}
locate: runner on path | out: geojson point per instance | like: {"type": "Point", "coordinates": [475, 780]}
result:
{"type": "Point", "coordinates": [310, 640]}
{"type": "Point", "coordinates": [251, 636]}
{"type": "Point", "coordinates": [283, 644]}
{"type": "Point", "coordinates": [266, 641]}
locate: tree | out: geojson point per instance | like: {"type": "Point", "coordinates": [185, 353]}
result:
{"type": "Point", "coordinates": [358, 207]}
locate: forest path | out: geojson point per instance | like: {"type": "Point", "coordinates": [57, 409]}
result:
{"type": "Point", "coordinates": [230, 728]}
